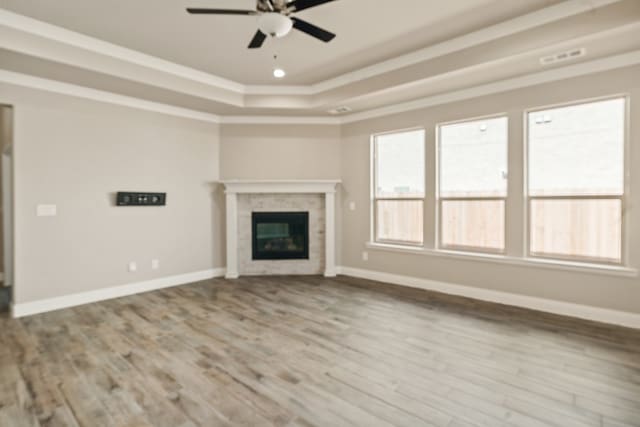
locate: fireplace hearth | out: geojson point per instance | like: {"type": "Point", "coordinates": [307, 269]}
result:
{"type": "Point", "coordinates": [280, 235]}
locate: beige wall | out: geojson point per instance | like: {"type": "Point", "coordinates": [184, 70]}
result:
{"type": "Point", "coordinates": [75, 154]}
{"type": "Point", "coordinates": [620, 293]}
{"type": "Point", "coordinates": [280, 152]}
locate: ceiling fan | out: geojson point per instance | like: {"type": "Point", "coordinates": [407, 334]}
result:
{"type": "Point", "coordinates": [274, 19]}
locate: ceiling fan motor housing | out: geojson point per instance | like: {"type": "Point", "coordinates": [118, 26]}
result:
{"type": "Point", "coordinates": [275, 24]}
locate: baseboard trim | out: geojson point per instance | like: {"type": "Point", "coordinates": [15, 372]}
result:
{"type": "Point", "coordinates": [57, 303]}
{"type": "Point", "coordinates": [621, 318]}
{"type": "Point", "coordinates": [597, 314]}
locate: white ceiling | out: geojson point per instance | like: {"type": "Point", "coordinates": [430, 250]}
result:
{"type": "Point", "coordinates": [368, 31]}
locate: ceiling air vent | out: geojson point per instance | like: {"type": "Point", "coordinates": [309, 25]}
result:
{"type": "Point", "coordinates": [340, 110]}
{"type": "Point", "coordinates": [563, 56]}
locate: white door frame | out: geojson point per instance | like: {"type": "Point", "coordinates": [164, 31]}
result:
{"type": "Point", "coordinates": [7, 214]}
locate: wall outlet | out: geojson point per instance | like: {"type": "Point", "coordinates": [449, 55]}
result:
{"type": "Point", "coordinates": [133, 266]}
{"type": "Point", "coordinates": [365, 256]}
{"type": "Point", "coordinates": [352, 206]}
{"type": "Point", "coordinates": [155, 264]}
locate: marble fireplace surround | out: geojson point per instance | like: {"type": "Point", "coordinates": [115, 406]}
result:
{"type": "Point", "coordinates": [234, 188]}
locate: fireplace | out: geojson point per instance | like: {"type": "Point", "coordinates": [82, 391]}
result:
{"type": "Point", "coordinates": [280, 235]}
{"type": "Point", "coordinates": [317, 197]}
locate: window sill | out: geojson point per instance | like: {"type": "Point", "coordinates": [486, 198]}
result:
{"type": "Point", "coordinates": [579, 267]}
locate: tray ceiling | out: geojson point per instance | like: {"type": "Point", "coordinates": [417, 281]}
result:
{"type": "Point", "coordinates": [393, 55]}
{"type": "Point", "coordinates": [368, 31]}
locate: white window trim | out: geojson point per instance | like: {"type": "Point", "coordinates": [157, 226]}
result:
{"type": "Point", "coordinates": [439, 200]}
{"type": "Point", "coordinates": [373, 183]}
{"type": "Point", "coordinates": [625, 227]}
{"type": "Point", "coordinates": [615, 270]}
{"type": "Point", "coordinates": [577, 267]}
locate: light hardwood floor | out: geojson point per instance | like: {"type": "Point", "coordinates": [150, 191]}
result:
{"type": "Point", "coordinates": [310, 351]}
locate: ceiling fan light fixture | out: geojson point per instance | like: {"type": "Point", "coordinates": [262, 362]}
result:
{"type": "Point", "coordinates": [275, 24]}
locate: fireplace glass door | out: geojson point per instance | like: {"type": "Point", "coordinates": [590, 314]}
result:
{"type": "Point", "coordinates": [280, 235]}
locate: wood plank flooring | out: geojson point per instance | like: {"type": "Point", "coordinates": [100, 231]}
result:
{"type": "Point", "coordinates": [311, 351]}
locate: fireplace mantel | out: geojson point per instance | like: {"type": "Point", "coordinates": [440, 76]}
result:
{"type": "Point", "coordinates": [235, 187]}
{"type": "Point", "coordinates": [280, 186]}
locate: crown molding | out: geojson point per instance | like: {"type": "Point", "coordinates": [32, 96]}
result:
{"type": "Point", "coordinates": [54, 86]}
{"type": "Point", "coordinates": [629, 30]}
{"type": "Point", "coordinates": [32, 82]}
{"type": "Point", "coordinates": [531, 20]}
{"type": "Point", "coordinates": [475, 38]}
{"type": "Point", "coordinates": [92, 44]}
{"type": "Point", "coordinates": [279, 90]}
{"type": "Point", "coordinates": [576, 70]}
{"type": "Point", "coordinates": [280, 120]}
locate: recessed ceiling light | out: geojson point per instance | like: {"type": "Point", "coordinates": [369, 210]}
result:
{"type": "Point", "coordinates": [278, 73]}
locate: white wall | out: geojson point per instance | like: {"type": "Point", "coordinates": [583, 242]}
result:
{"type": "Point", "coordinates": [76, 154]}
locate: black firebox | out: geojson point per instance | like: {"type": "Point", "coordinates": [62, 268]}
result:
{"type": "Point", "coordinates": [280, 235]}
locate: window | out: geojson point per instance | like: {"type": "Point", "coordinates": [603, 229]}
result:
{"type": "Point", "coordinates": [472, 185]}
{"type": "Point", "coordinates": [399, 182]}
{"type": "Point", "coordinates": [576, 181]}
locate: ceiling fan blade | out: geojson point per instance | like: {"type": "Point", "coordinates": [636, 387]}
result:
{"type": "Point", "coordinates": [257, 40]}
{"type": "Point", "coordinates": [298, 5]}
{"type": "Point", "coordinates": [312, 30]}
{"type": "Point", "coordinates": [201, 11]}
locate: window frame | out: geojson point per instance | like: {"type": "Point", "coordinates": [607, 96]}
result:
{"type": "Point", "coordinates": [440, 200]}
{"type": "Point", "coordinates": [374, 185]}
{"type": "Point", "coordinates": [528, 198]}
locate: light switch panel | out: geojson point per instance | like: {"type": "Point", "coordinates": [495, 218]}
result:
{"type": "Point", "coordinates": [46, 210]}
